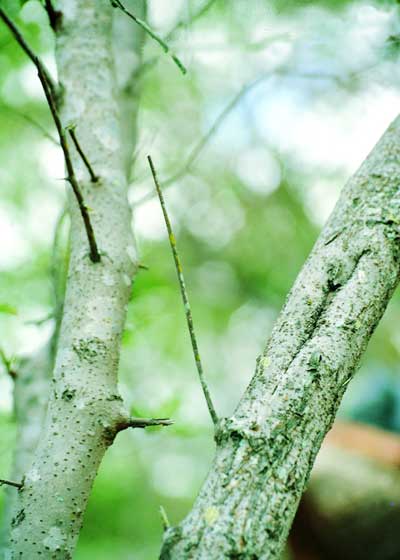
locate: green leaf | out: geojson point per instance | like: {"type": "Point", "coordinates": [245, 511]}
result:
{"type": "Point", "coordinates": [8, 309]}
{"type": "Point", "coordinates": [11, 7]}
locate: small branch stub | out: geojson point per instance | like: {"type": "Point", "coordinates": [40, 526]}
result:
{"type": "Point", "coordinates": [143, 423]}
{"type": "Point", "coordinates": [4, 482]}
{"type": "Point", "coordinates": [185, 297]}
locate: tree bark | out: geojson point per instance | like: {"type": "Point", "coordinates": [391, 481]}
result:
{"type": "Point", "coordinates": [265, 451]}
{"type": "Point", "coordinates": [31, 390]}
{"type": "Point", "coordinates": [85, 409]}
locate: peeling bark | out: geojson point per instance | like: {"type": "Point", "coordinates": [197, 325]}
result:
{"type": "Point", "coordinates": [266, 450]}
{"type": "Point", "coordinates": [85, 408]}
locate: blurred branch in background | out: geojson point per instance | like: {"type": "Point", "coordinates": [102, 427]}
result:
{"type": "Point", "coordinates": [33, 122]}
{"type": "Point", "coordinates": [202, 143]}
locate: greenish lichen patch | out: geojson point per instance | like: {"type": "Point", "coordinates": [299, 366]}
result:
{"type": "Point", "coordinates": [90, 349]}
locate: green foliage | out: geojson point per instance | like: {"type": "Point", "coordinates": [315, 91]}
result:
{"type": "Point", "coordinates": [12, 7]}
{"type": "Point", "coordinates": [8, 309]}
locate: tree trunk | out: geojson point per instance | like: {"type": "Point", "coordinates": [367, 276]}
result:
{"type": "Point", "coordinates": [31, 391]}
{"type": "Point", "coordinates": [265, 451]}
{"type": "Point", "coordinates": [85, 409]}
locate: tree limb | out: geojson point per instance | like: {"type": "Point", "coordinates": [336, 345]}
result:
{"type": "Point", "coordinates": [266, 449]}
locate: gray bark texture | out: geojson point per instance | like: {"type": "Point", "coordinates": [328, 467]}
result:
{"type": "Point", "coordinates": [266, 450]}
{"type": "Point", "coordinates": [85, 410]}
{"type": "Point", "coordinates": [31, 389]}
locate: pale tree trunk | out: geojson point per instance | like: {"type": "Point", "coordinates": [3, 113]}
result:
{"type": "Point", "coordinates": [266, 450]}
{"type": "Point", "coordinates": [31, 391]}
{"type": "Point", "coordinates": [85, 410]}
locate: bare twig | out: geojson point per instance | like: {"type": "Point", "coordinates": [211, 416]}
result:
{"type": "Point", "coordinates": [149, 31]}
{"type": "Point", "coordinates": [93, 177]}
{"type": "Point", "coordinates": [185, 298]}
{"type": "Point", "coordinates": [10, 483]}
{"type": "Point", "coordinates": [49, 93]}
{"type": "Point", "coordinates": [149, 64]}
{"type": "Point", "coordinates": [164, 518]}
{"type": "Point", "coordinates": [144, 423]}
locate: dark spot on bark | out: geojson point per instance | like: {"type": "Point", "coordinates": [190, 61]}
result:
{"type": "Point", "coordinates": [68, 394]}
{"type": "Point", "coordinates": [18, 519]}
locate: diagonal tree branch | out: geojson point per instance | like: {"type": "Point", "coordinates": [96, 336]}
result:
{"type": "Point", "coordinates": [266, 449]}
{"type": "Point", "coordinates": [185, 297]}
{"type": "Point", "coordinates": [197, 15]}
{"type": "Point", "coordinates": [93, 177]}
{"type": "Point", "coordinates": [33, 122]}
{"type": "Point", "coordinates": [202, 143]}
{"type": "Point", "coordinates": [50, 97]}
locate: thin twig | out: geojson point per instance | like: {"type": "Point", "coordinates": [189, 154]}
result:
{"type": "Point", "coordinates": [10, 483]}
{"type": "Point", "coordinates": [149, 31]}
{"type": "Point", "coordinates": [144, 423]}
{"type": "Point", "coordinates": [164, 518]}
{"type": "Point", "coordinates": [93, 177]}
{"type": "Point", "coordinates": [149, 64]}
{"type": "Point", "coordinates": [49, 93]}
{"type": "Point", "coordinates": [201, 144]}
{"type": "Point", "coordinates": [184, 294]}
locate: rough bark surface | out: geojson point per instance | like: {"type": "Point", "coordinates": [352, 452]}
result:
{"type": "Point", "coordinates": [265, 451]}
{"type": "Point", "coordinates": [31, 389]}
{"type": "Point", "coordinates": [85, 408]}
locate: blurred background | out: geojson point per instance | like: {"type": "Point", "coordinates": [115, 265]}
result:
{"type": "Point", "coordinates": [281, 103]}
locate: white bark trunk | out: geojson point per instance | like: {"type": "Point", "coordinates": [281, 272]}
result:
{"type": "Point", "coordinates": [31, 391]}
{"type": "Point", "coordinates": [85, 409]}
{"type": "Point", "coordinates": [265, 451]}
